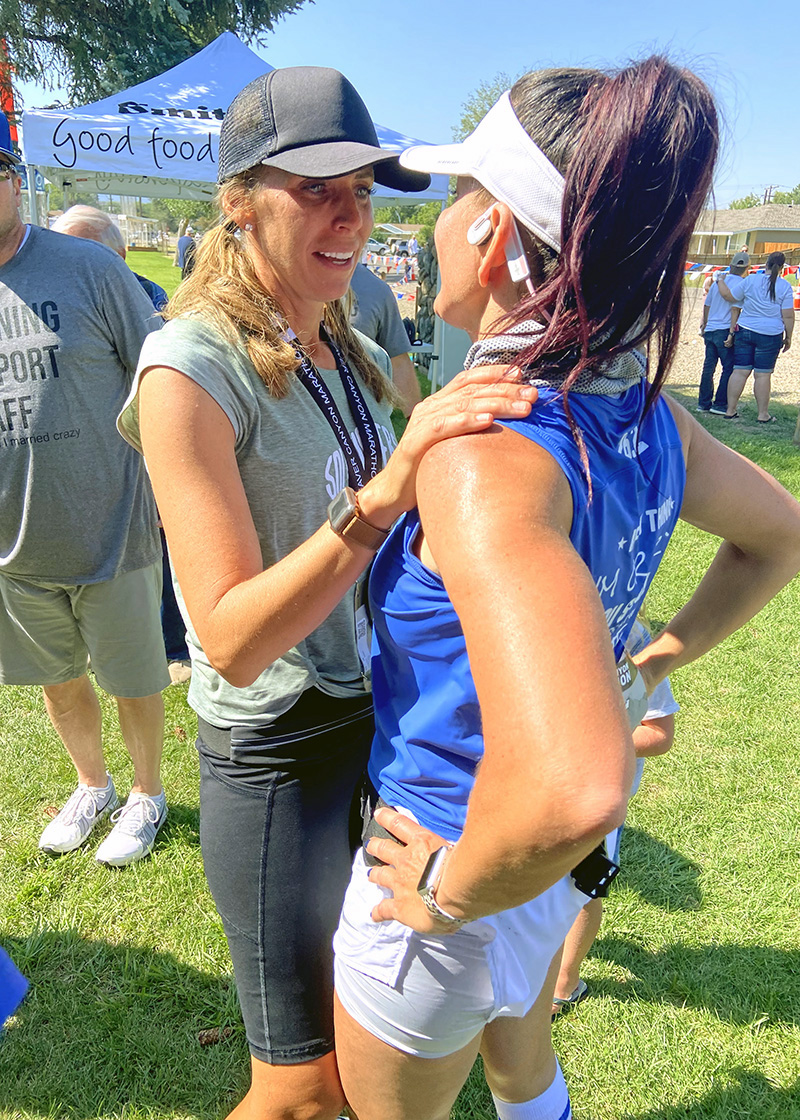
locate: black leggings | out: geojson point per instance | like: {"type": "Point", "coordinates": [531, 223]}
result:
{"type": "Point", "coordinates": [279, 822]}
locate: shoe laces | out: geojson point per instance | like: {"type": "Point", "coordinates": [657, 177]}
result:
{"type": "Point", "coordinates": [139, 812]}
{"type": "Point", "coordinates": [82, 803]}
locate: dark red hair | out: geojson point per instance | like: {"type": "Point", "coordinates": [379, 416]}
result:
{"type": "Point", "coordinates": [637, 151]}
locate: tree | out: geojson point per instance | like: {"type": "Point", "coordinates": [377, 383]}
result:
{"type": "Point", "coordinates": [76, 198]}
{"type": "Point", "coordinates": [188, 210]}
{"type": "Point", "coordinates": [394, 212]}
{"type": "Point", "coordinates": [785, 197]}
{"type": "Point", "coordinates": [184, 211]}
{"type": "Point", "coordinates": [156, 208]}
{"type": "Point", "coordinates": [423, 214]}
{"type": "Point", "coordinates": [94, 48]}
{"type": "Point", "coordinates": [480, 101]}
{"type": "Point", "coordinates": [427, 214]}
{"type": "Point", "coordinates": [746, 202]}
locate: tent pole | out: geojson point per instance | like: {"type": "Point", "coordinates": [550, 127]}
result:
{"type": "Point", "coordinates": [33, 201]}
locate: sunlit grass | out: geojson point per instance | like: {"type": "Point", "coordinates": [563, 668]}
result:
{"type": "Point", "coordinates": [157, 267]}
{"type": "Point", "coordinates": [694, 980]}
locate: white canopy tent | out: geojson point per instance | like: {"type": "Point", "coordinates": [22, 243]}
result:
{"type": "Point", "coordinates": [160, 138]}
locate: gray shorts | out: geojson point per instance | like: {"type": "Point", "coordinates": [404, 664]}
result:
{"type": "Point", "coordinates": [49, 631]}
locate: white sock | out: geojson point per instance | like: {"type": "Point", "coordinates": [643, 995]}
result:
{"type": "Point", "coordinates": [103, 793]}
{"type": "Point", "coordinates": [552, 1104]}
{"type": "Point", "coordinates": [159, 797]}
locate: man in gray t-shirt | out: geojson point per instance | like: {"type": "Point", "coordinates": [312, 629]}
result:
{"type": "Point", "coordinates": [79, 548]}
{"type": "Point", "coordinates": [374, 312]}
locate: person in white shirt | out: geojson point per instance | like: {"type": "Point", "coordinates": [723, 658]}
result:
{"type": "Point", "coordinates": [765, 327]}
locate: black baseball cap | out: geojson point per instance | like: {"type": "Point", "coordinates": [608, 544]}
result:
{"type": "Point", "coordinates": [308, 120]}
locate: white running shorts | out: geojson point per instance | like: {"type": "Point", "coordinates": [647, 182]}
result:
{"type": "Point", "coordinates": [430, 996]}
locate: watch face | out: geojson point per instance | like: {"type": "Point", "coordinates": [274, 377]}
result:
{"type": "Point", "coordinates": [430, 874]}
{"type": "Point", "coordinates": [342, 509]}
{"type": "Point", "coordinates": [346, 523]}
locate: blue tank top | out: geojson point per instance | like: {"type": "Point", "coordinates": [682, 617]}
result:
{"type": "Point", "coordinates": [428, 738]}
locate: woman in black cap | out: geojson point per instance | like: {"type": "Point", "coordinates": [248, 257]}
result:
{"type": "Point", "coordinates": [265, 420]}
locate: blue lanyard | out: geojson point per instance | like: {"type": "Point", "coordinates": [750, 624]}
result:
{"type": "Point", "coordinates": [309, 375]}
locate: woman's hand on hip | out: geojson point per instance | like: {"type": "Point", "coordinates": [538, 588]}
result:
{"type": "Point", "coordinates": [405, 858]}
{"type": "Point", "coordinates": [470, 403]}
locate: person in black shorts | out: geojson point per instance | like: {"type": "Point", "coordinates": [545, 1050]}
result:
{"type": "Point", "coordinates": [265, 421]}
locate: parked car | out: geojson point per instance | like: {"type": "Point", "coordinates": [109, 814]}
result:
{"type": "Point", "coordinates": [400, 248]}
{"type": "Point", "coordinates": [373, 246]}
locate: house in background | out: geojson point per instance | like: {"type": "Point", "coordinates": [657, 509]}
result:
{"type": "Point", "coordinates": [763, 229]}
{"type": "Point", "coordinates": [396, 233]}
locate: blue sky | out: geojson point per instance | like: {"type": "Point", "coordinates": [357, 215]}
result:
{"type": "Point", "coordinates": [415, 62]}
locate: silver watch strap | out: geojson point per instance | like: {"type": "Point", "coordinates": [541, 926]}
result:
{"type": "Point", "coordinates": [433, 908]}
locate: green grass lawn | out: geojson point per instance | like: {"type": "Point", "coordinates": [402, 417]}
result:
{"type": "Point", "coordinates": [157, 267]}
{"type": "Point", "coordinates": [694, 981]}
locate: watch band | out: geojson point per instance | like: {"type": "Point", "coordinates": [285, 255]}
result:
{"type": "Point", "coordinates": [433, 908]}
{"type": "Point", "coordinates": [346, 521]}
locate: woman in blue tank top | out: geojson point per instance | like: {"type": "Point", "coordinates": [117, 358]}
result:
{"type": "Point", "coordinates": [502, 605]}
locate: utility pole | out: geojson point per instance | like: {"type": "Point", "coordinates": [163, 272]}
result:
{"type": "Point", "coordinates": [768, 193]}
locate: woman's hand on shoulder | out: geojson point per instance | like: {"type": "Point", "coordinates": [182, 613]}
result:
{"type": "Point", "coordinates": [470, 403]}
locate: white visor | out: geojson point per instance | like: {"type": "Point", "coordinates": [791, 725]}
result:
{"type": "Point", "coordinates": [504, 159]}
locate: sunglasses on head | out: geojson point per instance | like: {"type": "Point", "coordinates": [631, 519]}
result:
{"type": "Point", "coordinates": [7, 171]}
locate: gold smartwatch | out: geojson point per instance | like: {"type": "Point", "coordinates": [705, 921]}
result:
{"type": "Point", "coordinates": [346, 521]}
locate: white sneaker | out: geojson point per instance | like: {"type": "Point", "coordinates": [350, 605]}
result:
{"type": "Point", "coordinates": [86, 806]}
{"type": "Point", "coordinates": [135, 829]}
{"type": "Point", "coordinates": [180, 671]}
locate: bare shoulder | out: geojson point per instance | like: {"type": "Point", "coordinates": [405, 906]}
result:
{"type": "Point", "coordinates": [496, 476]}
{"type": "Point", "coordinates": [169, 399]}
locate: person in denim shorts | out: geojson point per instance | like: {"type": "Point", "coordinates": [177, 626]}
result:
{"type": "Point", "coordinates": [764, 330]}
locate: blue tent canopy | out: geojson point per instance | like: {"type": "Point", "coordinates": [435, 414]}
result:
{"type": "Point", "coordinates": [160, 138]}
